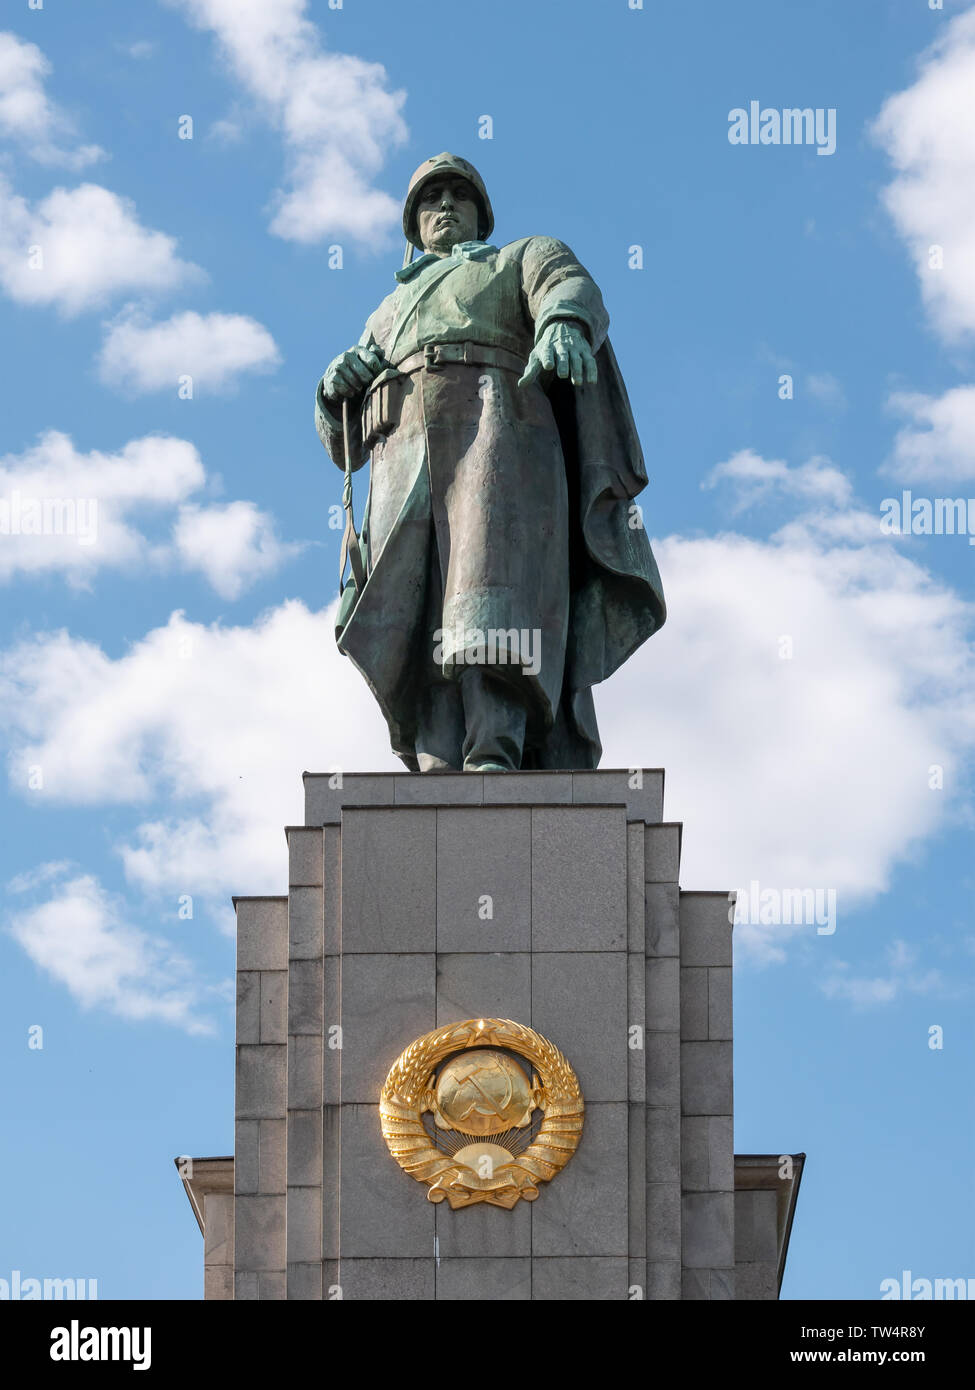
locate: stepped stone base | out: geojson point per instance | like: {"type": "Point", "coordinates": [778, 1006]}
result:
{"type": "Point", "coordinates": [548, 898]}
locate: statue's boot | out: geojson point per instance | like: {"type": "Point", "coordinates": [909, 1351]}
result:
{"type": "Point", "coordinates": [495, 719]}
{"type": "Point", "coordinates": [440, 729]}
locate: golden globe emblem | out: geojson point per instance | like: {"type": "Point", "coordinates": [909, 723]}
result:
{"type": "Point", "coordinates": [483, 1092]}
{"type": "Point", "coordinates": [456, 1076]}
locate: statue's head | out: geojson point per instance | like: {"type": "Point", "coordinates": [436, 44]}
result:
{"type": "Point", "coordinates": [446, 203]}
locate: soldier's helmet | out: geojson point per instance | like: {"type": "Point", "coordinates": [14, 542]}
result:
{"type": "Point", "coordinates": [438, 166]}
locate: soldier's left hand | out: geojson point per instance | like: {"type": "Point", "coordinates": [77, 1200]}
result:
{"type": "Point", "coordinates": [564, 349]}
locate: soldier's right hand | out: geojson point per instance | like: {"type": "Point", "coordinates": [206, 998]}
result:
{"type": "Point", "coordinates": [350, 373]}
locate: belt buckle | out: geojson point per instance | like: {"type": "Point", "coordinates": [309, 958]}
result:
{"type": "Point", "coordinates": [430, 358]}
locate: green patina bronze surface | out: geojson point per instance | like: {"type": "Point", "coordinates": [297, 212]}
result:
{"type": "Point", "coordinates": [504, 461]}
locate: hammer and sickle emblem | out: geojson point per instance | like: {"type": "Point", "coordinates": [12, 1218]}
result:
{"type": "Point", "coordinates": [472, 1098]}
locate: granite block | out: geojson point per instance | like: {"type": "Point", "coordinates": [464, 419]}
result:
{"type": "Point", "coordinates": [663, 995]}
{"type": "Point", "coordinates": [248, 1006]}
{"type": "Point", "coordinates": [719, 1003]}
{"type": "Point", "coordinates": [305, 1282]}
{"type": "Point", "coordinates": [756, 1229]}
{"type": "Point", "coordinates": [382, 1280]}
{"type": "Point", "coordinates": [387, 1002]}
{"type": "Point", "coordinates": [663, 1143]}
{"type": "Point", "coordinates": [532, 788]}
{"type": "Point", "coordinates": [706, 1073]}
{"type": "Point", "coordinates": [636, 1033]}
{"type": "Point", "coordinates": [262, 1081]}
{"type": "Point", "coordinates": [663, 1069]}
{"type": "Point", "coordinates": [578, 875]}
{"type": "Point", "coordinates": [306, 997]}
{"type": "Point", "coordinates": [579, 1002]}
{"type": "Point", "coordinates": [385, 1212]}
{"type": "Point", "coordinates": [636, 1205]}
{"type": "Point", "coordinates": [581, 1280]}
{"type": "Point", "coordinates": [304, 1072]}
{"type": "Point", "coordinates": [247, 1148]}
{"type": "Point", "coordinates": [695, 1159]}
{"type": "Point", "coordinates": [483, 986]}
{"type": "Point", "coordinates": [304, 1224]}
{"type": "Point", "coordinates": [484, 853]}
{"type": "Point", "coordinates": [664, 1281]}
{"type": "Point", "coordinates": [304, 857]}
{"type": "Point", "coordinates": [755, 1282]}
{"type": "Point", "coordinates": [705, 929]}
{"type": "Point", "coordinates": [484, 1231]}
{"type": "Point", "coordinates": [640, 790]}
{"type": "Point", "coordinates": [389, 880]}
{"type": "Point", "coordinates": [262, 933]}
{"type": "Point", "coordinates": [274, 1006]}
{"type": "Point", "coordinates": [305, 1149]}
{"type": "Point", "coordinates": [438, 789]}
{"type": "Point", "coordinates": [721, 1153]}
{"type": "Point", "coordinates": [259, 1233]}
{"type": "Point", "coordinates": [306, 921]}
{"type": "Point", "coordinates": [662, 853]}
{"type": "Point", "coordinates": [483, 1281]}
{"type": "Point", "coordinates": [662, 919]}
{"type": "Point", "coordinates": [272, 1156]}
{"type": "Point", "coordinates": [707, 1221]}
{"type": "Point", "coordinates": [581, 1211]}
{"type": "Point", "coordinates": [272, 1285]}
{"type": "Point", "coordinates": [218, 1283]}
{"type": "Point", "coordinates": [332, 891]}
{"type": "Point", "coordinates": [327, 793]}
{"type": "Point", "coordinates": [636, 907]}
{"type": "Point", "coordinates": [663, 1222]}
{"type": "Point", "coordinates": [694, 1003]}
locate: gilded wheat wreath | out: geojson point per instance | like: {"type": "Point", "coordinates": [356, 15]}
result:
{"type": "Point", "coordinates": [485, 1145]}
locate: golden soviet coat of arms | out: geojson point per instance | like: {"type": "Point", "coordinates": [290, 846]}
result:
{"type": "Point", "coordinates": [496, 1129]}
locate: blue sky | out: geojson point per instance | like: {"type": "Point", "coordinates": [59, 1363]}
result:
{"type": "Point", "coordinates": [171, 680]}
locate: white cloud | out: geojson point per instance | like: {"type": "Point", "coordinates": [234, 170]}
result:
{"type": "Point", "coordinates": [226, 131]}
{"type": "Point", "coordinates": [756, 479]}
{"type": "Point", "coordinates": [80, 247]}
{"type": "Point", "coordinates": [66, 511]}
{"type": "Point", "coordinates": [232, 545]}
{"type": "Point", "coordinates": [27, 114]}
{"type": "Point", "coordinates": [211, 348]}
{"type": "Point", "coordinates": [72, 513]}
{"type": "Point", "coordinates": [337, 118]}
{"type": "Point", "coordinates": [825, 388]}
{"type": "Point", "coordinates": [928, 132]}
{"type": "Point", "coordinates": [939, 444]}
{"type": "Point", "coordinates": [206, 730]}
{"type": "Point", "coordinates": [812, 771]}
{"type": "Point", "coordinates": [142, 48]}
{"type": "Point", "coordinates": [902, 977]}
{"type": "Point", "coordinates": [80, 937]}
{"type": "Point", "coordinates": [40, 874]}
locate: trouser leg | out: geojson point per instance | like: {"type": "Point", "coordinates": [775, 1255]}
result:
{"type": "Point", "coordinates": [495, 720]}
{"type": "Point", "coordinates": [440, 711]}
{"type": "Point", "coordinates": [440, 728]}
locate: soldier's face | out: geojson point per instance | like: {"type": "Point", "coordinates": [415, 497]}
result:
{"type": "Point", "coordinates": [446, 214]}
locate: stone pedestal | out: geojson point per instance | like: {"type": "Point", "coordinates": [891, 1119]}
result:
{"type": "Point", "coordinates": [548, 898]}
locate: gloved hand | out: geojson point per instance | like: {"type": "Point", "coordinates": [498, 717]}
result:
{"type": "Point", "coordinates": [564, 349]}
{"type": "Point", "coordinates": [350, 373]}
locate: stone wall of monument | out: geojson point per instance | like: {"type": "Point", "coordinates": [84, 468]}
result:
{"type": "Point", "coordinates": [386, 934]}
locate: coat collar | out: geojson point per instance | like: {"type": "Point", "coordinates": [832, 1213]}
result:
{"type": "Point", "coordinates": [468, 250]}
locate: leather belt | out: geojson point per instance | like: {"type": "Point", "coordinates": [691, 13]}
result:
{"type": "Point", "coordinates": [436, 355]}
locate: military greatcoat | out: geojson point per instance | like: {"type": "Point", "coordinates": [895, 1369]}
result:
{"type": "Point", "coordinates": [493, 505]}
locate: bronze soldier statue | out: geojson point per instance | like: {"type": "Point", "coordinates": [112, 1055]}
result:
{"type": "Point", "coordinates": [503, 569]}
